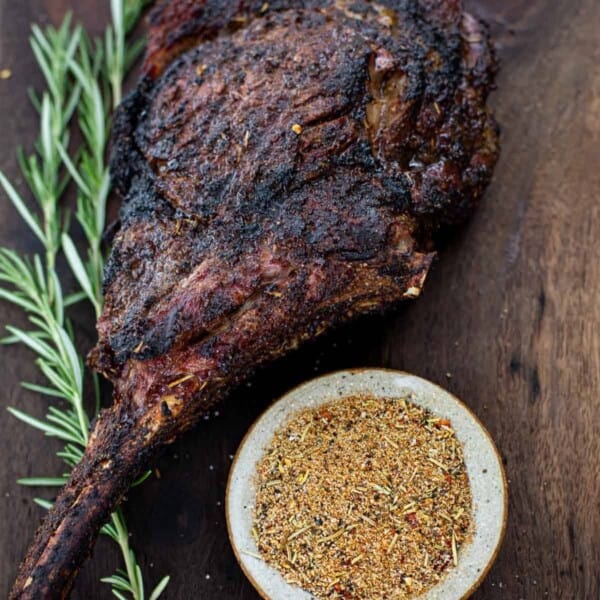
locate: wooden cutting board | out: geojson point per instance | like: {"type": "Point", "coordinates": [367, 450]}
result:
{"type": "Point", "coordinates": [509, 321]}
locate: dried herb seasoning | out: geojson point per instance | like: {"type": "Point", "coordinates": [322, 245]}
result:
{"type": "Point", "coordinates": [363, 498]}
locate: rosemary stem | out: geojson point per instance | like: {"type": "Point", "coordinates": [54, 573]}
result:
{"type": "Point", "coordinates": [127, 553]}
{"type": "Point", "coordinates": [49, 216]}
{"type": "Point", "coordinates": [83, 419]}
{"type": "Point", "coordinates": [116, 90]}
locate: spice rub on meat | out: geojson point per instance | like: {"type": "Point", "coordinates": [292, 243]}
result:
{"type": "Point", "coordinates": [283, 168]}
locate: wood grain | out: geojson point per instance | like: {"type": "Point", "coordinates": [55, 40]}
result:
{"type": "Point", "coordinates": [509, 322]}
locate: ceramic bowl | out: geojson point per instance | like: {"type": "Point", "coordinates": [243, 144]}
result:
{"type": "Point", "coordinates": [482, 461]}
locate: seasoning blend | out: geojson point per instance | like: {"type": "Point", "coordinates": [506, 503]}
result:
{"type": "Point", "coordinates": [363, 497]}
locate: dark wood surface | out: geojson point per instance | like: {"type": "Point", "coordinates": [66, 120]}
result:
{"type": "Point", "coordinates": [508, 321]}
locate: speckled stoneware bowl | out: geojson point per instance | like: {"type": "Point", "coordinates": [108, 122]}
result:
{"type": "Point", "coordinates": [486, 475]}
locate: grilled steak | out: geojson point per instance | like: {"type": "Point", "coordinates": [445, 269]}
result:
{"type": "Point", "coordinates": [283, 168]}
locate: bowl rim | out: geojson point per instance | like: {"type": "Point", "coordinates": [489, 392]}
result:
{"type": "Point", "coordinates": [361, 370]}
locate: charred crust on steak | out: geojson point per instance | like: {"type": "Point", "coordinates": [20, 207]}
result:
{"type": "Point", "coordinates": [394, 130]}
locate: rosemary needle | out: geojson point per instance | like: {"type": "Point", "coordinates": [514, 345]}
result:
{"type": "Point", "coordinates": [83, 80]}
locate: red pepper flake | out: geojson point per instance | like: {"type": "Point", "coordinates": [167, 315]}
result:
{"type": "Point", "coordinates": [412, 519]}
{"type": "Point", "coordinates": [326, 414]}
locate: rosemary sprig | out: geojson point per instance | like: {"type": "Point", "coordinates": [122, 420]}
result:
{"type": "Point", "coordinates": [91, 174]}
{"type": "Point", "coordinates": [85, 77]}
{"type": "Point", "coordinates": [42, 169]}
{"type": "Point", "coordinates": [111, 62]}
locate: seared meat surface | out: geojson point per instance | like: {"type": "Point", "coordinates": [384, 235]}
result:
{"type": "Point", "coordinates": [283, 168]}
